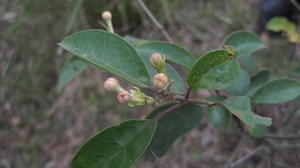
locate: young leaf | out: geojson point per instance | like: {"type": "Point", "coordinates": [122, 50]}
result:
{"type": "Point", "coordinates": [240, 106]}
{"type": "Point", "coordinates": [109, 52]}
{"type": "Point", "coordinates": [277, 91]}
{"type": "Point", "coordinates": [173, 125]}
{"type": "Point", "coordinates": [117, 146]}
{"type": "Point", "coordinates": [278, 24]}
{"type": "Point", "coordinates": [240, 85]}
{"type": "Point", "coordinates": [177, 85]}
{"type": "Point", "coordinates": [213, 70]}
{"type": "Point", "coordinates": [245, 42]}
{"type": "Point", "coordinates": [173, 53]}
{"type": "Point", "coordinates": [219, 117]}
{"type": "Point", "coordinates": [70, 70]}
{"type": "Point", "coordinates": [257, 81]}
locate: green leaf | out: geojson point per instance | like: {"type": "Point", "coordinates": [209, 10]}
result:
{"type": "Point", "coordinates": [240, 106]}
{"type": "Point", "coordinates": [177, 85]}
{"type": "Point", "coordinates": [117, 146]}
{"type": "Point", "coordinates": [248, 63]}
{"type": "Point", "coordinates": [70, 70]}
{"type": "Point", "coordinates": [257, 81]}
{"type": "Point", "coordinates": [173, 125]}
{"type": "Point", "coordinates": [258, 131]}
{"type": "Point", "coordinates": [213, 70]}
{"type": "Point", "coordinates": [219, 117]}
{"type": "Point", "coordinates": [216, 98]}
{"type": "Point", "coordinates": [221, 77]}
{"type": "Point", "coordinates": [241, 84]}
{"type": "Point", "coordinates": [245, 42]}
{"type": "Point", "coordinates": [109, 52]}
{"type": "Point", "coordinates": [278, 24]}
{"type": "Point", "coordinates": [277, 91]}
{"type": "Point", "coordinates": [173, 52]}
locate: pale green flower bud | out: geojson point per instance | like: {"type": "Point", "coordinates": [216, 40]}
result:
{"type": "Point", "coordinates": [112, 84]}
{"type": "Point", "coordinates": [158, 62]}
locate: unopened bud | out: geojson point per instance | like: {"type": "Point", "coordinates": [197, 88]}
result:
{"type": "Point", "coordinates": [123, 96]}
{"type": "Point", "coordinates": [158, 62]}
{"type": "Point", "coordinates": [112, 84]}
{"type": "Point", "coordinates": [106, 15]}
{"type": "Point", "coordinates": [160, 80]}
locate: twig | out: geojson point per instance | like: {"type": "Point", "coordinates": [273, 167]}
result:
{"type": "Point", "coordinates": [160, 162]}
{"type": "Point", "coordinates": [167, 111]}
{"type": "Point", "coordinates": [278, 146]}
{"type": "Point", "coordinates": [203, 102]}
{"type": "Point", "coordinates": [296, 4]}
{"type": "Point", "coordinates": [154, 20]}
{"type": "Point", "coordinates": [236, 150]}
{"type": "Point", "coordinates": [247, 157]}
{"type": "Point", "coordinates": [289, 137]}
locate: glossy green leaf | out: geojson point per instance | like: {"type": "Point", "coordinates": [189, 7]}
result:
{"type": "Point", "coordinates": [173, 125]}
{"type": "Point", "coordinates": [178, 84]}
{"type": "Point", "coordinates": [220, 77]}
{"type": "Point", "coordinates": [240, 106]}
{"type": "Point", "coordinates": [240, 85]}
{"type": "Point", "coordinates": [219, 117]}
{"type": "Point", "coordinates": [257, 81]}
{"type": "Point", "coordinates": [70, 70]}
{"type": "Point", "coordinates": [209, 67]}
{"type": "Point", "coordinates": [277, 91]}
{"type": "Point", "coordinates": [173, 52]}
{"type": "Point", "coordinates": [109, 52]}
{"type": "Point", "coordinates": [245, 42]}
{"type": "Point", "coordinates": [117, 146]}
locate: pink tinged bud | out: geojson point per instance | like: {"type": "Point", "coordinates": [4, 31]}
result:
{"type": "Point", "coordinates": [123, 96]}
{"type": "Point", "coordinates": [106, 15]}
{"type": "Point", "coordinates": [111, 84]}
{"type": "Point", "coordinates": [160, 80]}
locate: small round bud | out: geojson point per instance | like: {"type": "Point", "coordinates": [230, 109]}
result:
{"type": "Point", "coordinates": [106, 15]}
{"type": "Point", "coordinates": [158, 62]}
{"type": "Point", "coordinates": [160, 80]}
{"type": "Point", "coordinates": [156, 58]}
{"type": "Point", "coordinates": [123, 96]}
{"type": "Point", "coordinates": [111, 84]}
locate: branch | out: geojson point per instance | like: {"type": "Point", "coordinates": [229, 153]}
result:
{"type": "Point", "coordinates": [296, 4]}
{"type": "Point", "coordinates": [247, 157]}
{"type": "Point", "coordinates": [154, 20]}
{"type": "Point", "coordinates": [168, 110]}
{"type": "Point", "coordinates": [160, 162]}
{"type": "Point", "coordinates": [278, 146]}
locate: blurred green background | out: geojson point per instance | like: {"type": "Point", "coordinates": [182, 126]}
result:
{"type": "Point", "coordinates": [41, 127]}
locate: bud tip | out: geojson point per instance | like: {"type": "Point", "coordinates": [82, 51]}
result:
{"type": "Point", "coordinates": [106, 15]}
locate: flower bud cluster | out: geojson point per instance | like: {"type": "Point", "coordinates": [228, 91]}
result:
{"type": "Point", "coordinates": [133, 97]}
